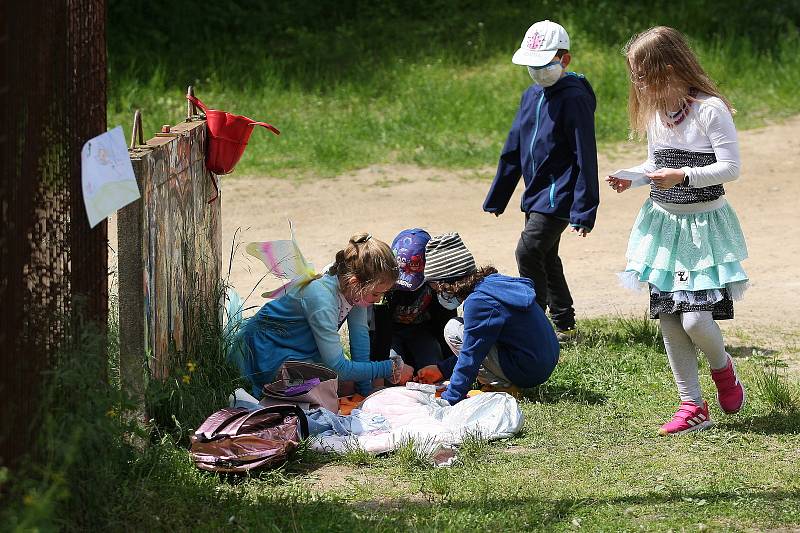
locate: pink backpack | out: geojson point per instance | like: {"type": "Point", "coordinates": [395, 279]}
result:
{"type": "Point", "coordinates": [238, 440]}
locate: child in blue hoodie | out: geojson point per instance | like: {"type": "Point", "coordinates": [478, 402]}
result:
{"type": "Point", "coordinates": [552, 146]}
{"type": "Point", "coordinates": [504, 339]}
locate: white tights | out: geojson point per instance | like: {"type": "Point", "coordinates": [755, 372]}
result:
{"type": "Point", "coordinates": [683, 334]}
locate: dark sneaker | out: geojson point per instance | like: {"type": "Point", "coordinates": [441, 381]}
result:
{"type": "Point", "coordinates": [566, 335]}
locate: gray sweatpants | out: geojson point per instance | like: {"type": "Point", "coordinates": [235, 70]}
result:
{"type": "Point", "coordinates": [490, 372]}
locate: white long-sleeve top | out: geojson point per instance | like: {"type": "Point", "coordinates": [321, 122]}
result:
{"type": "Point", "coordinates": [708, 128]}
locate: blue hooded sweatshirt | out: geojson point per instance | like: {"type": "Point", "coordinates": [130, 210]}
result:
{"type": "Point", "coordinates": [552, 145]}
{"type": "Point", "coordinates": [502, 311]}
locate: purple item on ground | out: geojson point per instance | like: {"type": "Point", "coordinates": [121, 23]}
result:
{"type": "Point", "coordinates": [305, 386]}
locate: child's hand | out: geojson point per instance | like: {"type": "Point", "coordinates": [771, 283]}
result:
{"type": "Point", "coordinates": [582, 232]}
{"type": "Point", "coordinates": [666, 177]}
{"type": "Point", "coordinates": [429, 374]}
{"type": "Point", "coordinates": [618, 184]}
{"type": "Point", "coordinates": [406, 373]}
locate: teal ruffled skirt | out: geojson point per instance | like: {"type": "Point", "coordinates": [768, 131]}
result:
{"type": "Point", "coordinates": [690, 262]}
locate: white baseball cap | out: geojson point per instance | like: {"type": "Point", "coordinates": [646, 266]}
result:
{"type": "Point", "coordinates": [541, 42]}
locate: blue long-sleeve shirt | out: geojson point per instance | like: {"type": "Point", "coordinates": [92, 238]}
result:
{"type": "Point", "coordinates": [552, 145]}
{"type": "Point", "coordinates": [304, 325]}
{"type": "Point", "coordinates": [502, 311]}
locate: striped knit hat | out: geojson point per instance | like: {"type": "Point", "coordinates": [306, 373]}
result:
{"type": "Point", "coordinates": [446, 257]}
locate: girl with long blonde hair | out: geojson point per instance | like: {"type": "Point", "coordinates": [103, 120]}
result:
{"type": "Point", "coordinates": [686, 245]}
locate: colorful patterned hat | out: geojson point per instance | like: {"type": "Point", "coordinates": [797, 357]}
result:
{"type": "Point", "coordinates": [409, 249]}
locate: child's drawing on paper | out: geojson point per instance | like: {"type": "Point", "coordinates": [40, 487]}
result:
{"type": "Point", "coordinates": [107, 174]}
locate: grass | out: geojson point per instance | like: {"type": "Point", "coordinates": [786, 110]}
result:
{"type": "Point", "coordinates": [776, 390]}
{"type": "Point", "coordinates": [385, 84]}
{"type": "Point", "coordinates": [426, 83]}
{"type": "Point", "coordinates": [588, 457]}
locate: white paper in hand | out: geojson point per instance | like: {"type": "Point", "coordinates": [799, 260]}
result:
{"type": "Point", "coordinates": [637, 179]}
{"type": "Point", "coordinates": [107, 175]}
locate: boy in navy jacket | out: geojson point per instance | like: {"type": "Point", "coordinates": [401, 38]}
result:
{"type": "Point", "coordinates": [504, 340]}
{"type": "Point", "coordinates": [552, 145]}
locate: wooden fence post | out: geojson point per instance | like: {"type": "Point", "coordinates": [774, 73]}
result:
{"type": "Point", "coordinates": [170, 256]}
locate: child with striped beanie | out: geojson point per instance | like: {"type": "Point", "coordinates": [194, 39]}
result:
{"type": "Point", "coordinates": [504, 340]}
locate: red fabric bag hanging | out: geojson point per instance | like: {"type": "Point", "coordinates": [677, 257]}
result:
{"type": "Point", "coordinates": [227, 138]}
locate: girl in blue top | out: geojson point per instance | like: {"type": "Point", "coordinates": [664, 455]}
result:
{"type": "Point", "coordinates": [686, 245]}
{"type": "Point", "coordinates": [303, 325]}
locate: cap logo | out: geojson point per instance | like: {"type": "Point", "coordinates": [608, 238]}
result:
{"type": "Point", "coordinates": [535, 41]}
{"type": "Point", "coordinates": [415, 264]}
{"type": "Point", "coordinates": [410, 265]}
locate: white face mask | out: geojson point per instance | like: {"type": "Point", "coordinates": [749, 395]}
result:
{"type": "Point", "coordinates": [448, 302]}
{"type": "Point", "coordinates": [547, 75]}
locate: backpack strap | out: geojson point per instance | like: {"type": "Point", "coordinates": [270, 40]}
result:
{"type": "Point", "coordinates": [227, 422]}
{"type": "Point", "coordinates": [232, 419]}
{"type": "Point", "coordinates": [210, 428]}
{"type": "Point", "coordinates": [282, 410]}
{"type": "Point", "coordinates": [291, 409]}
{"type": "Point", "coordinates": [236, 425]}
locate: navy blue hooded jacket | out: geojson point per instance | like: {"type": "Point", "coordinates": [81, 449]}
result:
{"type": "Point", "coordinates": [552, 145]}
{"type": "Point", "coordinates": [502, 311]}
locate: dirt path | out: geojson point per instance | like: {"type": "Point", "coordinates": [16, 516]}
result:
{"type": "Point", "coordinates": [385, 199]}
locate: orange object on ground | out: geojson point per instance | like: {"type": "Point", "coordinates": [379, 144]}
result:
{"type": "Point", "coordinates": [348, 403]}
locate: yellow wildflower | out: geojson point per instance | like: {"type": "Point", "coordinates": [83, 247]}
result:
{"type": "Point", "coordinates": [186, 379]}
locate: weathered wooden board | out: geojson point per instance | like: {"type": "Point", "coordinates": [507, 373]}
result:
{"type": "Point", "coordinates": [170, 255]}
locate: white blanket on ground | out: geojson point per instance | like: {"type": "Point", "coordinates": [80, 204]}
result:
{"type": "Point", "coordinates": [428, 421]}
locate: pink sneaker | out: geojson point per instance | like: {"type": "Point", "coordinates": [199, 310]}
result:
{"type": "Point", "coordinates": [730, 392]}
{"type": "Point", "coordinates": [689, 417]}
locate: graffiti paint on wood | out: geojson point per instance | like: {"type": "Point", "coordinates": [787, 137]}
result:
{"type": "Point", "coordinates": [170, 252]}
